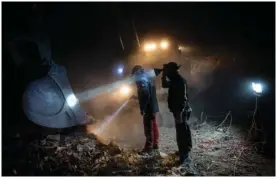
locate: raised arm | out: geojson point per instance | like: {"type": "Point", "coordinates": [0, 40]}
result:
{"type": "Point", "coordinates": [165, 82]}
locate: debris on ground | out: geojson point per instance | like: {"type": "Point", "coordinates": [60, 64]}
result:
{"type": "Point", "coordinates": [80, 154]}
{"type": "Point", "coordinates": [87, 156]}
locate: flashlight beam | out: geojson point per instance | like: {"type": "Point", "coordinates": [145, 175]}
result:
{"type": "Point", "coordinates": [87, 95]}
{"type": "Point", "coordinates": [109, 119]}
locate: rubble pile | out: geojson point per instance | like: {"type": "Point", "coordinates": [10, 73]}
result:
{"type": "Point", "coordinates": [84, 154]}
{"type": "Point", "coordinates": [80, 154]}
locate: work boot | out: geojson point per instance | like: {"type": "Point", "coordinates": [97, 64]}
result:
{"type": "Point", "coordinates": [146, 151]}
{"type": "Point", "coordinates": [185, 159]}
{"type": "Point", "coordinates": [187, 165]}
{"type": "Point", "coordinates": [156, 151]}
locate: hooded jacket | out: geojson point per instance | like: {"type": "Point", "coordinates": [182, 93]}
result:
{"type": "Point", "coordinates": [146, 91]}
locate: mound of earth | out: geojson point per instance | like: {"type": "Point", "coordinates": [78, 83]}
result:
{"type": "Point", "coordinates": [81, 154]}
{"type": "Point", "coordinates": [215, 152]}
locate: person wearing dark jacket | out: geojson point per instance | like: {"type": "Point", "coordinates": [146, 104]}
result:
{"type": "Point", "coordinates": [146, 91]}
{"type": "Point", "coordinates": [179, 106]}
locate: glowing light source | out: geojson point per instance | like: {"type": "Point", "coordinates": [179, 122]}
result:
{"type": "Point", "coordinates": [72, 100]}
{"type": "Point", "coordinates": [184, 48]}
{"type": "Point", "coordinates": [257, 87]}
{"type": "Point", "coordinates": [164, 44]}
{"type": "Point", "coordinates": [120, 70]}
{"type": "Point", "coordinates": [150, 47]}
{"type": "Point", "coordinates": [125, 90]}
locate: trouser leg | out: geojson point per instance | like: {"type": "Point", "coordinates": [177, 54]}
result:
{"type": "Point", "coordinates": [183, 134]}
{"type": "Point", "coordinates": [155, 131]}
{"type": "Point", "coordinates": [148, 132]}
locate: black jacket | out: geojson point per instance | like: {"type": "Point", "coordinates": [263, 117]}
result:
{"type": "Point", "coordinates": [147, 95]}
{"type": "Point", "coordinates": [177, 97]}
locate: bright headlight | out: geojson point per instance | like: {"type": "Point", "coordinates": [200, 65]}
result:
{"type": "Point", "coordinates": [72, 100]}
{"type": "Point", "coordinates": [164, 44]}
{"type": "Point", "coordinates": [150, 47]}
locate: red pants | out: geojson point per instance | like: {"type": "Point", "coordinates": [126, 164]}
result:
{"type": "Point", "coordinates": [151, 131]}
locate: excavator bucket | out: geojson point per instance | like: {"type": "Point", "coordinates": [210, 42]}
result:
{"type": "Point", "coordinates": [48, 99]}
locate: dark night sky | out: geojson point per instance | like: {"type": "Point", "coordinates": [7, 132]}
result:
{"type": "Point", "coordinates": [90, 30]}
{"type": "Point", "coordinates": [246, 25]}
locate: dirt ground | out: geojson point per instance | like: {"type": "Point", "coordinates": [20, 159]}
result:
{"type": "Point", "coordinates": [215, 153]}
{"type": "Point", "coordinates": [221, 151]}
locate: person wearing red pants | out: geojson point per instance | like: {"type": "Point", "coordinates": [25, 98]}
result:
{"type": "Point", "coordinates": [151, 132]}
{"type": "Point", "coordinates": [146, 91]}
